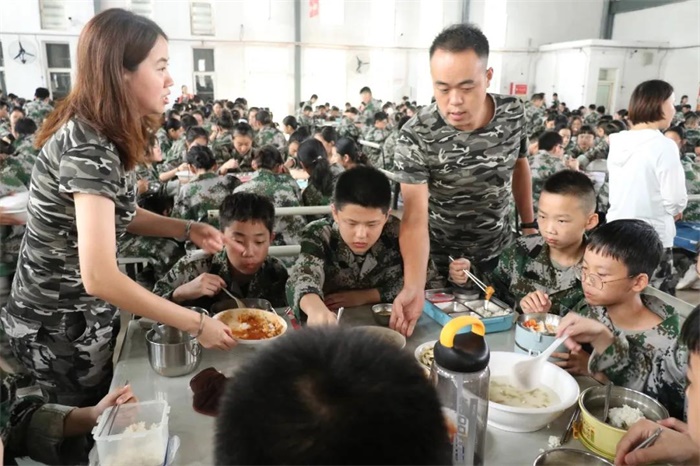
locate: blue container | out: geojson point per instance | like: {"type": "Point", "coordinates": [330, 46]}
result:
{"type": "Point", "coordinates": [492, 324]}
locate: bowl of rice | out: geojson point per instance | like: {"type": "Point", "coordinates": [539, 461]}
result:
{"type": "Point", "coordinates": [627, 406]}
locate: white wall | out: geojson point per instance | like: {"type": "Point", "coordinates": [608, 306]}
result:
{"type": "Point", "coordinates": [24, 22]}
{"type": "Point", "coordinates": [677, 24]}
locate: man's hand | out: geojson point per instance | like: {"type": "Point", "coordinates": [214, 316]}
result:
{"type": "Point", "coordinates": [537, 301]}
{"type": "Point", "coordinates": [117, 396]}
{"type": "Point", "coordinates": [407, 309]}
{"type": "Point", "coordinates": [230, 164]}
{"type": "Point", "coordinates": [321, 318]}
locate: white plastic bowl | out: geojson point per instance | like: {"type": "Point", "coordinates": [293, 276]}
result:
{"type": "Point", "coordinates": [513, 419]}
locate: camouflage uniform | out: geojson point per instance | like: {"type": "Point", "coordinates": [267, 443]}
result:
{"type": "Point", "coordinates": [525, 266]}
{"type": "Point", "coordinates": [245, 161]}
{"type": "Point", "coordinates": [534, 118]}
{"type": "Point", "coordinates": [542, 166]}
{"type": "Point", "coordinates": [692, 135]}
{"type": "Point", "coordinates": [222, 147]}
{"type": "Point", "coordinates": [469, 176]}
{"type": "Point", "coordinates": [692, 186]}
{"type": "Point", "coordinates": [591, 119]}
{"type": "Point", "coordinates": [203, 193]}
{"type": "Point", "coordinates": [31, 427]}
{"type": "Point", "coordinates": [161, 253]}
{"type": "Point", "coordinates": [164, 140]}
{"type": "Point", "coordinates": [390, 148]}
{"type": "Point", "coordinates": [21, 163]}
{"type": "Point", "coordinates": [267, 283]}
{"type": "Point", "coordinates": [305, 121]}
{"type": "Point", "coordinates": [378, 136]}
{"type": "Point", "coordinates": [269, 135]}
{"type": "Point", "coordinates": [177, 153]}
{"type": "Point", "coordinates": [5, 129]}
{"type": "Point", "coordinates": [347, 129]}
{"type": "Point", "coordinates": [62, 335]}
{"type": "Point", "coordinates": [367, 114]}
{"type": "Point", "coordinates": [38, 110]}
{"type": "Point", "coordinates": [632, 360]}
{"type": "Point", "coordinates": [597, 152]}
{"type": "Point", "coordinates": [326, 265]}
{"type": "Point", "coordinates": [10, 238]}
{"type": "Point", "coordinates": [283, 191]}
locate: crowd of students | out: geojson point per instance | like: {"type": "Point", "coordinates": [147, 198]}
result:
{"type": "Point", "coordinates": [98, 193]}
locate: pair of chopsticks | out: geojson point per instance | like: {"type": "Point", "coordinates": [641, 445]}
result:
{"type": "Point", "coordinates": [476, 281]}
{"type": "Point", "coordinates": [112, 415]}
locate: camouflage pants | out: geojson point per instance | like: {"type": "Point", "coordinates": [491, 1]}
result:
{"type": "Point", "coordinates": [72, 360]}
{"type": "Point", "coordinates": [664, 278]}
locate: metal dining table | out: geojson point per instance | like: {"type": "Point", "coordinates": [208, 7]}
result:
{"type": "Point", "coordinates": [196, 431]}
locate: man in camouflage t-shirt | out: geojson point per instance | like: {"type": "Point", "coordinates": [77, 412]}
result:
{"type": "Point", "coordinates": [459, 160]}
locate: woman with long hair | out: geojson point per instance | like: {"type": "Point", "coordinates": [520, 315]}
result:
{"type": "Point", "coordinates": [314, 160]}
{"type": "Point", "coordinates": [646, 176]}
{"type": "Point", "coordinates": [62, 318]}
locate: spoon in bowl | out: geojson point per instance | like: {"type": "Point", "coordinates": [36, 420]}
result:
{"type": "Point", "coordinates": [239, 303]}
{"type": "Point", "coordinates": [527, 373]}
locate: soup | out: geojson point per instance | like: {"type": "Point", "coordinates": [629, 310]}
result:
{"type": "Point", "coordinates": [502, 391]}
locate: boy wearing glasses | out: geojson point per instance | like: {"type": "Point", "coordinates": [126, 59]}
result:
{"type": "Point", "coordinates": [538, 271]}
{"type": "Point", "coordinates": [620, 258]}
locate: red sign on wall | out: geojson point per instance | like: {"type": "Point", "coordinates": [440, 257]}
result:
{"type": "Point", "coordinates": [518, 89]}
{"type": "Point", "coordinates": [313, 8]}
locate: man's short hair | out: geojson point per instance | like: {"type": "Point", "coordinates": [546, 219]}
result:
{"type": "Point", "coordinates": [341, 396]}
{"type": "Point", "coordinates": [461, 37]}
{"type": "Point", "coordinates": [549, 140]}
{"type": "Point", "coordinates": [365, 89]}
{"type": "Point", "coordinates": [42, 93]}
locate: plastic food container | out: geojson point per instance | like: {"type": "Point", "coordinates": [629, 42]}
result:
{"type": "Point", "coordinates": [137, 435]}
{"type": "Point", "coordinates": [439, 296]}
{"type": "Point", "coordinates": [494, 324]}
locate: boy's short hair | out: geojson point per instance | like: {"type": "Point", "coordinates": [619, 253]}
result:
{"type": "Point", "coordinates": [633, 242]}
{"type": "Point", "coordinates": [380, 116]}
{"type": "Point", "coordinates": [246, 207]}
{"type": "Point", "coordinates": [575, 184]}
{"type": "Point", "coordinates": [600, 109]}
{"type": "Point", "coordinates": [300, 135]}
{"type": "Point", "coordinates": [586, 129]}
{"type": "Point", "coordinates": [243, 129]}
{"type": "Point", "coordinates": [173, 124]}
{"type": "Point", "coordinates": [591, 107]}
{"type": "Point", "coordinates": [263, 117]}
{"type": "Point", "coordinates": [25, 126]}
{"type": "Point", "coordinates": [194, 133]}
{"type": "Point", "coordinates": [42, 93]}
{"type": "Point", "coordinates": [690, 332]}
{"type": "Point", "coordinates": [348, 398]}
{"type": "Point", "coordinates": [363, 186]}
{"type": "Point", "coordinates": [201, 157]}
{"type": "Point", "coordinates": [352, 110]}
{"type": "Point", "coordinates": [549, 140]}
{"type": "Point", "coordinates": [328, 133]}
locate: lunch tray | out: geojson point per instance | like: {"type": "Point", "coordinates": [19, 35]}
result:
{"type": "Point", "coordinates": [493, 324]}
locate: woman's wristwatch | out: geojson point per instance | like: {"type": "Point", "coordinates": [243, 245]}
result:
{"type": "Point", "coordinates": [188, 229]}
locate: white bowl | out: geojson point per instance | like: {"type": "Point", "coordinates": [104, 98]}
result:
{"type": "Point", "coordinates": [19, 214]}
{"type": "Point", "coordinates": [514, 419]}
{"type": "Point", "coordinates": [184, 175]}
{"type": "Point", "coordinates": [15, 202]}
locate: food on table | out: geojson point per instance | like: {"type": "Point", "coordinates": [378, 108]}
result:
{"type": "Point", "coordinates": [491, 310]}
{"type": "Point", "coordinates": [489, 293]}
{"type": "Point", "coordinates": [140, 427]}
{"type": "Point", "coordinates": [553, 442]}
{"type": "Point", "coordinates": [540, 327]}
{"type": "Point", "coordinates": [427, 356]}
{"type": "Point", "coordinates": [502, 391]}
{"type": "Point", "coordinates": [625, 416]}
{"type": "Point", "coordinates": [439, 297]}
{"type": "Point", "coordinates": [251, 324]}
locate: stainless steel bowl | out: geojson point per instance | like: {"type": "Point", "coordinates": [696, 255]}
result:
{"type": "Point", "coordinates": [593, 401]}
{"type": "Point", "coordinates": [382, 313]}
{"type": "Point", "coordinates": [172, 352]}
{"type": "Point", "coordinates": [567, 456]}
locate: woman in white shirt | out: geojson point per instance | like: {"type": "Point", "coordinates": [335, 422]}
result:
{"type": "Point", "coordinates": [647, 181]}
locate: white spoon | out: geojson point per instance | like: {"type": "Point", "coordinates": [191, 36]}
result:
{"type": "Point", "coordinates": [527, 373]}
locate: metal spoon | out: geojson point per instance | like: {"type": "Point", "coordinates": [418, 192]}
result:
{"type": "Point", "coordinates": [340, 313]}
{"type": "Point", "coordinates": [650, 441]}
{"type": "Point", "coordinates": [606, 409]}
{"type": "Point", "coordinates": [239, 303]}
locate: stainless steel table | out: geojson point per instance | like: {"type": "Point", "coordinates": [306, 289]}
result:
{"type": "Point", "coordinates": [196, 431]}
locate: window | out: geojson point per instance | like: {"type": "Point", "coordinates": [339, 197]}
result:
{"type": "Point", "coordinates": [204, 73]}
{"type": "Point", "coordinates": [142, 7]}
{"type": "Point", "coordinates": [2, 71]}
{"type": "Point", "coordinates": [59, 65]}
{"type": "Point", "coordinates": [201, 18]}
{"type": "Point", "coordinates": [53, 14]}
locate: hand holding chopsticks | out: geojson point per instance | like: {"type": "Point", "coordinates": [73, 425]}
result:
{"type": "Point", "coordinates": [488, 290]}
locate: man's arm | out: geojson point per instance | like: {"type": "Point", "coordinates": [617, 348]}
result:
{"type": "Point", "coordinates": [522, 191]}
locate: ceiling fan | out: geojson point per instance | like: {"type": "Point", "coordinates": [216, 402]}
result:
{"type": "Point", "coordinates": [360, 64]}
{"type": "Point", "coordinates": [23, 53]}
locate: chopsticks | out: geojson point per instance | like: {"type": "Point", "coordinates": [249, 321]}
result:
{"type": "Point", "coordinates": [650, 441]}
{"type": "Point", "coordinates": [340, 314]}
{"type": "Point", "coordinates": [476, 281]}
{"type": "Point", "coordinates": [570, 427]}
{"type": "Point", "coordinates": [112, 415]}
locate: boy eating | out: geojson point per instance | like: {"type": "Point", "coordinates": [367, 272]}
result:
{"type": "Point", "coordinates": [620, 258]}
{"type": "Point", "coordinates": [197, 279]}
{"type": "Point", "coordinates": [355, 258]}
{"type": "Point", "coordinates": [538, 271]}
